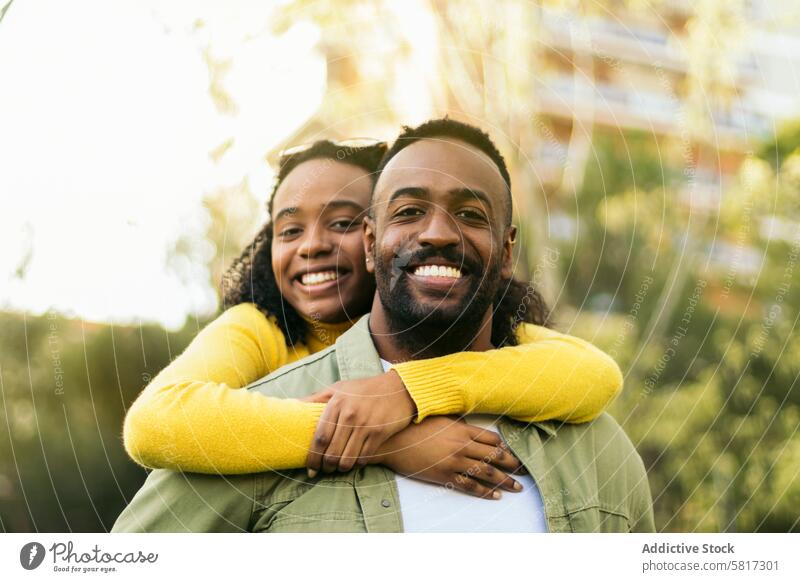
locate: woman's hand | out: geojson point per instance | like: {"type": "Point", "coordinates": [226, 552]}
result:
{"type": "Point", "coordinates": [452, 453]}
{"type": "Point", "coordinates": [360, 416]}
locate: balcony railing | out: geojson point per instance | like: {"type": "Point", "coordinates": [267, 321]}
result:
{"type": "Point", "coordinates": [642, 108]}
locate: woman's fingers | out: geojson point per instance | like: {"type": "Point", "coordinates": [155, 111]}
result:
{"type": "Point", "coordinates": [320, 397]}
{"type": "Point", "coordinates": [333, 453]}
{"type": "Point", "coordinates": [497, 456]}
{"type": "Point", "coordinates": [370, 448]}
{"type": "Point", "coordinates": [466, 484]}
{"type": "Point", "coordinates": [352, 450]}
{"type": "Point", "coordinates": [326, 427]}
{"type": "Point", "coordinates": [492, 476]}
{"type": "Point", "coordinates": [485, 436]}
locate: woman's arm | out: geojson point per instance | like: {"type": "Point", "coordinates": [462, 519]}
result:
{"type": "Point", "coordinates": [191, 417]}
{"type": "Point", "coordinates": [549, 375]}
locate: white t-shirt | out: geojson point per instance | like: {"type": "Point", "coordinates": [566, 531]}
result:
{"type": "Point", "coordinates": [426, 507]}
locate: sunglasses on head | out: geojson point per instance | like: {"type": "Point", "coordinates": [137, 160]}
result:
{"type": "Point", "coordinates": [345, 144]}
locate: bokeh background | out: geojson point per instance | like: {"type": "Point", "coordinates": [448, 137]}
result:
{"type": "Point", "coordinates": [655, 156]}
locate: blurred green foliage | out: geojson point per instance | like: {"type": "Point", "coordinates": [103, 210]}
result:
{"type": "Point", "coordinates": [65, 386]}
{"type": "Point", "coordinates": [700, 308]}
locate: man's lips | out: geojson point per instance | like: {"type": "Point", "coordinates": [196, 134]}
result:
{"type": "Point", "coordinates": [437, 276]}
{"type": "Point", "coordinates": [437, 270]}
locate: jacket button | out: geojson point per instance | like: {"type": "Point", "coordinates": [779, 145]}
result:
{"type": "Point", "coordinates": [386, 503]}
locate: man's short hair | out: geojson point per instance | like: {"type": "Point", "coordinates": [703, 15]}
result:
{"type": "Point", "coordinates": [450, 128]}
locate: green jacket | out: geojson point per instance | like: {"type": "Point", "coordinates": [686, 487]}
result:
{"type": "Point", "coordinates": [589, 475]}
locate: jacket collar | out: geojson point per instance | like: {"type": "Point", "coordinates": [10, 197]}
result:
{"type": "Point", "coordinates": [356, 354]}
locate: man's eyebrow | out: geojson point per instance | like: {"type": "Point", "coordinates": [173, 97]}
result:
{"type": "Point", "coordinates": [411, 192]}
{"type": "Point", "coordinates": [457, 193]}
{"type": "Point", "coordinates": [471, 193]}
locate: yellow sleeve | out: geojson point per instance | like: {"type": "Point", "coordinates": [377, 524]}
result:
{"type": "Point", "coordinates": [549, 376]}
{"type": "Point", "coordinates": [192, 418]}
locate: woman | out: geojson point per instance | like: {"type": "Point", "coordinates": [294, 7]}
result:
{"type": "Point", "coordinates": [292, 292]}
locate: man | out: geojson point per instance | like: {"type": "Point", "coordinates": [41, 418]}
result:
{"type": "Point", "coordinates": [439, 239]}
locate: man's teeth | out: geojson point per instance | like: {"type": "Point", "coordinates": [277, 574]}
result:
{"type": "Point", "coordinates": [317, 278]}
{"type": "Point", "coordinates": [437, 271]}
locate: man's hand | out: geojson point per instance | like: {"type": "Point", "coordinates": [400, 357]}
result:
{"type": "Point", "coordinates": [452, 453]}
{"type": "Point", "coordinates": [359, 417]}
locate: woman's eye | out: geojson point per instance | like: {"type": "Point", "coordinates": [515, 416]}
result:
{"type": "Point", "coordinates": [345, 223]}
{"type": "Point", "coordinates": [289, 232]}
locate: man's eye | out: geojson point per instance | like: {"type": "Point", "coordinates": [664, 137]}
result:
{"type": "Point", "coordinates": [409, 211]}
{"type": "Point", "coordinates": [470, 214]}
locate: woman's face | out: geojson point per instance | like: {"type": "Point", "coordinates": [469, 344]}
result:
{"type": "Point", "coordinates": [317, 249]}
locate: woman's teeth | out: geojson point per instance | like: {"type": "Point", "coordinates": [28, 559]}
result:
{"type": "Point", "coordinates": [437, 271]}
{"type": "Point", "coordinates": [318, 278]}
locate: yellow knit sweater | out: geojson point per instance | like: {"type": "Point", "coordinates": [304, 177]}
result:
{"type": "Point", "coordinates": [191, 417]}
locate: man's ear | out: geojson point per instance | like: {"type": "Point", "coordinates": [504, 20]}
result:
{"type": "Point", "coordinates": [369, 243]}
{"type": "Point", "coordinates": [507, 269]}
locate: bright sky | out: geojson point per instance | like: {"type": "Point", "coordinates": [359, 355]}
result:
{"type": "Point", "coordinates": [106, 125]}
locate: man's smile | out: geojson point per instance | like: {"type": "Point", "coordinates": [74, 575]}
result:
{"type": "Point", "coordinates": [440, 273]}
{"type": "Point", "coordinates": [438, 276]}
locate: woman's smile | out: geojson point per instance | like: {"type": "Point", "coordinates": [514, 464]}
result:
{"type": "Point", "coordinates": [319, 282]}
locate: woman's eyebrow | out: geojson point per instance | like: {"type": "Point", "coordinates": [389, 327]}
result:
{"type": "Point", "coordinates": [336, 204]}
{"type": "Point", "coordinates": [332, 205]}
{"type": "Point", "coordinates": [288, 211]}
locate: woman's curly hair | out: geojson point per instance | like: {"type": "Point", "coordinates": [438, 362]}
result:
{"type": "Point", "coordinates": [516, 302]}
{"type": "Point", "coordinates": [250, 279]}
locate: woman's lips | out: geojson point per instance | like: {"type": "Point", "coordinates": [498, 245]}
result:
{"type": "Point", "coordinates": [316, 288]}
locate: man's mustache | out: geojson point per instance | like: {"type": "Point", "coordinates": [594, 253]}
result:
{"type": "Point", "coordinates": [406, 256]}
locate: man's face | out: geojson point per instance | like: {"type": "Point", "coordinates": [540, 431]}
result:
{"type": "Point", "coordinates": [438, 240]}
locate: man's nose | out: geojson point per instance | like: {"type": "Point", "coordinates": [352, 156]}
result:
{"type": "Point", "coordinates": [440, 230]}
{"type": "Point", "coordinates": [314, 243]}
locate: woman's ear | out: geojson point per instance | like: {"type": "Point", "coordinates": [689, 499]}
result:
{"type": "Point", "coordinates": [507, 270]}
{"type": "Point", "coordinates": [369, 243]}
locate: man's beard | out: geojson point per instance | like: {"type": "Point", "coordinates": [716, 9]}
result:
{"type": "Point", "coordinates": [427, 331]}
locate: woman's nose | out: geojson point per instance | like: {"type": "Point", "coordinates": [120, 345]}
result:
{"type": "Point", "coordinates": [315, 243]}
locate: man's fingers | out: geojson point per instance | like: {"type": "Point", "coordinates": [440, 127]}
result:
{"type": "Point", "coordinates": [322, 437]}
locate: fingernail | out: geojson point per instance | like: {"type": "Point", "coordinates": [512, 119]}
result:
{"type": "Point", "coordinates": [496, 495]}
{"type": "Point", "coordinates": [312, 473]}
{"type": "Point", "coordinates": [517, 486]}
